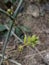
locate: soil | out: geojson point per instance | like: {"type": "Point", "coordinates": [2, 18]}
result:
{"type": "Point", "coordinates": [39, 25]}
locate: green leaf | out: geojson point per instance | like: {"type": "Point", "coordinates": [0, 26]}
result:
{"type": "Point", "coordinates": [9, 22]}
{"type": "Point", "coordinates": [2, 28]}
{"type": "Point", "coordinates": [34, 38]}
{"type": "Point", "coordinates": [13, 1]}
{"type": "Point", "coordinates": [25, 29]}
{"type": "Point", "coordinates": [33, 45]}
{"type": "Point", "coordinates": [18, 31]}
{"type": "Point", "coordinates": [29, 40]}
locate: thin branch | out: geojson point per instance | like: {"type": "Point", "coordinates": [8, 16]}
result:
{"type": "Point", "coordinates": [13, 61]}
{"type": "Point", "coordinates": [4, 12]}
{"type": "Point", "coordinates": [6, 41]}
{"type": "Point", "coordinates": [17, 9]}
{"type": "Point", "coordinates": [29, 47]}
{"type": "Point", "coordinates": [45, 62]}
{"type": "Point", "coordinates": [14, 34]}
{"type": "Point", "coordinates": [33, 55]}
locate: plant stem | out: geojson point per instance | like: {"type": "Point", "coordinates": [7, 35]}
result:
{"type": "Point", "coordinates": [17, 9]}
{"type": "Point", "coordinates": [5, 44]}
{"type": "Point", "coordinates": [11, 60]}
{"type": "Point", "coordinates": [12, 19]}
{"type": "Point", "coordinates": [14, 34]}
{"type": "Point", "coordinates": [4, 12]}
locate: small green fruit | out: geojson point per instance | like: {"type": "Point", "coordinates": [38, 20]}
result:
{"type": "Point", "coordinates": [9, 11]}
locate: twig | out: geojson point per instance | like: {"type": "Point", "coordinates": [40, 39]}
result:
{"type": "Point", "coordinates": [23, 42]}
{"type": "Point", "coordinates": [13, 61]}
{"type": "Point", "coordinates": [12, 19]}
{"type": "Point", "coordinates": [17, 9]}
{"type": "Point", "coordinates": [14, 34]}
{"type": "Point", "coordinates": [45, 62]}
{"type": "Point", "coordinates": [5, 43]}
{"type": "Point", "coordinates": [4, 12]}
{"type": "Point", "coordinates": [32, 55]}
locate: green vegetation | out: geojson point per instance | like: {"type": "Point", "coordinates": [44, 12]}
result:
{"type": "Point", "coordinates": [29, 41]}
{"type": "Point", "coordinates": [18, 30]}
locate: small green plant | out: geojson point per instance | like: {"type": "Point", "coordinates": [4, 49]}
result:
{"type": "Point", "coordinates": [29, 41]}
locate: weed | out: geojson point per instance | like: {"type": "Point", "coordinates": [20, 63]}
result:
{"type": "Point", "coordinates": [29, 41]}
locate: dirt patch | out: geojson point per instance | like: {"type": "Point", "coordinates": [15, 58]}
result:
{"type": "Point", "coordinates": [40, 26]}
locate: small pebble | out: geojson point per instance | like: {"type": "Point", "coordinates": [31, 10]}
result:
{"type": "Point", "coordinates": [47, 57]}
{"type": "Point", "coordinates": [33, 10]}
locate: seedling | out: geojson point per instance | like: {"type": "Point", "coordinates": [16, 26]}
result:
{"type": "Point", "coordinates": [29, 41]}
